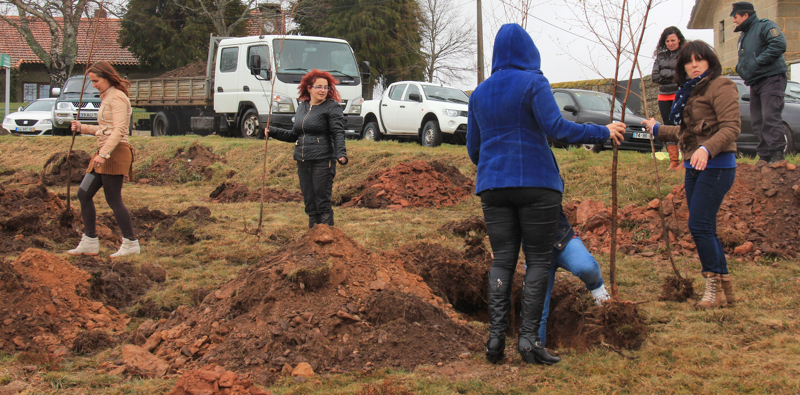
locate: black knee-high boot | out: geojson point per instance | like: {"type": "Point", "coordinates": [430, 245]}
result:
{"type": "Point", "coordinates": [499, 300]}
{"type": "Point", "coordinates": [534, 289]}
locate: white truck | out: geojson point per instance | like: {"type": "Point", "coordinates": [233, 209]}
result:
{"type": "Point", "coordinates": [420, 109]}
{"type": "Point", "coordinates": [233, 98]}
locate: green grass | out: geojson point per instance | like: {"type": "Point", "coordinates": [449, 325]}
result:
{"type": "Point", "coordinates": [752, 348]}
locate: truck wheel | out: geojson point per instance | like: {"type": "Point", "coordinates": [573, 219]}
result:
{"type": "Point", "coordinates": [163, 125]}
{"type": "Point", "coordinates": [371, 132]}
{"type": "Point", "coordinates": [249, 128]}
{"type": "Point", "coordinates": [431, 134]}
{"type": "Point", "coordinates": [61, 132]}
{"type": "Point", "coordinates": [787, 133]}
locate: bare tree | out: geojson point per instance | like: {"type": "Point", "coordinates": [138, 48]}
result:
{"type": "Point", "coordinates": [446, 41]}
{"type": "Point", "coordinates": [225, 15]}
{"type": "Point", "coordinates": [61, 18]}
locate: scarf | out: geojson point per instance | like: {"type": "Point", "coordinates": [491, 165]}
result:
{"type": "Point", "coordinates": [682, 96]}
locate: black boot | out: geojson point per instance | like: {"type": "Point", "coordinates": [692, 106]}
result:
{"type": "Point", "coordinates": [777, 158]}
{"type": "Point", "coordinates": [534, 289]}
{"type": "Point", "coordinates": [326, 218]}
{"type": "Point", "coordinates": [313, 220]}
{"type": "Point", "coordinates": [499, 300]}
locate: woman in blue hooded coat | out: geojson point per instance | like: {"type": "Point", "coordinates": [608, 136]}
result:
{"type": "Point", "coordinates": [511, 114]}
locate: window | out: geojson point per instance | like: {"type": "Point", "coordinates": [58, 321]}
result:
{"type": "Point", "coordinates": [44, 90]}
{"type": "Point", "coordinates": [397, 91]}
{"type": "Point", "coordinates": [261, 51]}
{"type": "Point", "coordinates": [563, 99]}
{"type": "Point", "coordinates": [29, 92]}
{"type": "Point", "coordinates": [721, 31]}
{"type": "Point", "coordinates": [228, 59]}
{"type": "Point", "coordinates": [411, 89]}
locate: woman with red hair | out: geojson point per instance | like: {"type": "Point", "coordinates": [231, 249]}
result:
{"type": "Point", "coordinates": [318, 134]}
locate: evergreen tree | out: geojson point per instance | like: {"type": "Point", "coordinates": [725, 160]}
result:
{"type": "Point", "coordinates": [165, 35]}
{"type": "Point", "coordinates": [384, 33]}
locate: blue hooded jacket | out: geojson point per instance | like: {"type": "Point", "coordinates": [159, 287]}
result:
{"type": "Point", "coordinates": [512, 113]}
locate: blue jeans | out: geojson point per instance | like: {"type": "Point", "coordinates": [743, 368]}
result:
{"type": "Point", "coordinates": [705, 191]}
{"type": "Point", "coordinates": [577, 259]}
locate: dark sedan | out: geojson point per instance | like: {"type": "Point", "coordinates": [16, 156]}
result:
{"type": "Point", "coordinates": [584, 106]}
{"type": "Point", "coordinates": [748, 140]}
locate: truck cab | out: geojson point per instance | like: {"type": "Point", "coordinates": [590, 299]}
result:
{"type": "Point", "coordinates": [252, 97]}
{"type": "Point", "coordinates": [68, 102]}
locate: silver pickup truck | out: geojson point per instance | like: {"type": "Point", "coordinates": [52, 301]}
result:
{"type": "Point", "coordinates": [69, 101]}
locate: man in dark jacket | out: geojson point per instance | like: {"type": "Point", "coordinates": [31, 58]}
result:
{"type": "Point", "coordinates": [761, 65]}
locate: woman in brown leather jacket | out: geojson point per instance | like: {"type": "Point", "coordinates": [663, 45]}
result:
{"type": "Point", "coordinates": [706, 115]}
{"type": "Point", "coordinates": [113, 160]}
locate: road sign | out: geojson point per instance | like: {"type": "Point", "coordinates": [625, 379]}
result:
{"type": "Point", "coordinates": [5, 60]}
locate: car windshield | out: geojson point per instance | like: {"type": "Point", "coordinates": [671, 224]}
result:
{"type": "Point", "coordinates": [793, 90]}
{"type": "Point", "coordinates": [599, 101]}
{"type": "Point", "coordinates": [440, 93]}
{"type": "Point", "coordinates": [302, 56]}
{"type": "Point", "coordinates": [41, 105]}
{"type": "Point", "coordinates": [73, 85]}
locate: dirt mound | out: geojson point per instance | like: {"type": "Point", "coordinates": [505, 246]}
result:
{"type": "Point", "coordinates": [758, 218]}
{"type": "Point", "coordinates": [415, 184]}
{"type": "Point", "coordinates": [192, 164]}
{"type": "Point", "coordinates": [155, 224]}
{"type": "Point", "coordinates": [471, 226]}
{"type": "Point", "coordinates": [56, 171]}
{"type": "Point", "coordinates": [575, 322]}
{"type": "Point", "coordinates": [32, 218]}
{"type": "Point", "coordinates": [214, 380]}
{"type": "Point", "coordinates": [24, 177]}
{"type": "Point", "coordinates": [196, 69]}
{"type": "Point", "coordinates": [118, 283]}
{"type": "Point", "coordinates": [44, 304]}
{"type": "Point", "coordinates": [322, 299]}
{"type": "Point", "coordinates": [229, 192]}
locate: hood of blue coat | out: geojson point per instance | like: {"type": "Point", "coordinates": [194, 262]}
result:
{"type": "Point", "coordinates": [514, 49]}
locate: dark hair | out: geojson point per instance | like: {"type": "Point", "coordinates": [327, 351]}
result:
{"type": "Point", "coordinates": [105, 70]}
{"type": "Point", "coordinates": [662, 42]}
{"type": "Point", "coordinates": [701, 51]}
{"type": "Point", "coordinates": [308, 80]}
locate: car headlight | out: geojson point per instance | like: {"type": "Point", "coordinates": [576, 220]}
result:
{"type": "Point", "coordinates": [45, 122]}
{"type": "Point", "coordinates": [355, 106]}
{"type": "Point", "coordinates": [282, 103]}
{"type": "Point", "coordinates": [450, 113]}
{"type": "Point", "coordinates": [64, 105]}
{"type": "Point", "coordinates": [6, 120]}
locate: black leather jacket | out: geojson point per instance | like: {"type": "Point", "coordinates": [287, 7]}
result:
{"type": "Point", "coordinates": [664, 72]}
{"type": "Point", "coordinates": [318, 132]}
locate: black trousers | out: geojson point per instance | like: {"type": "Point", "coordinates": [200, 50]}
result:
{"type": "Point", "coordinates": [316, 184]}
{"type": "Point", "coordinates": [766, 106]}
{"type": "Point", "coordinates": [527, 217]}
{"type": "Point", "coordinates": [112, 188]}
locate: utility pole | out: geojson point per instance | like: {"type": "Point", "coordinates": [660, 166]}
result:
{"type": "Point", "coordinates": [480, 43]}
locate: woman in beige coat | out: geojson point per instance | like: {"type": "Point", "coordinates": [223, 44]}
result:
{"type": "Point", "coordinates": [108, 167]}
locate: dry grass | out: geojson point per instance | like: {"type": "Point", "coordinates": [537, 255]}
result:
{"type": "Point", "coordinates": [751, 348]}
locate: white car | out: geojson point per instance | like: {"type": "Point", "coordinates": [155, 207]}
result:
{"type": "Point", "coordinates": [34, 120]}
{"type": "Point", "coordinates": [420, 109]}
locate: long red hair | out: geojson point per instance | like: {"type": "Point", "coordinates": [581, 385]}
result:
{"type": "Point", "coordinates": [308, 81]}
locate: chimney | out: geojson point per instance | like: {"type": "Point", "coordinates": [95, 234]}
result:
{"type": "Point", "coordinates": [100, 13]}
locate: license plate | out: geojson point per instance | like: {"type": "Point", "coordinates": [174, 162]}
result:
{"type": "Point", "coordinates": [25, 129]}
{"type": "Point", "coordinates": [87, 115]}
{"type": "Point", "coordinates": [638, 135]}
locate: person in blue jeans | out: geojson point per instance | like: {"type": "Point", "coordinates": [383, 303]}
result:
{"type": "Point", "coordinates": [570, 254]}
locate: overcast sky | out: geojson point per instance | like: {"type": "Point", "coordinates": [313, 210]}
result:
{"type": "Point", "coordinates": [560, 42]}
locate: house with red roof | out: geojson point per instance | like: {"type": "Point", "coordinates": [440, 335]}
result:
{"type": "Point", "coordinates": [33, 79]}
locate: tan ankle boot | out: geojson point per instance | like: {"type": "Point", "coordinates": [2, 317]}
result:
{"type": "Point", "coordinates": [674, 161]}
{"type": "Point", "coordinates": [714, 296]}
{"type": "Point", "coordinates": [727, 287]}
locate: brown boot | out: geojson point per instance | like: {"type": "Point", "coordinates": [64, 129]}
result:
{"type": "Point", "coordinates": [674, 160]}
{"type": "Point", "coordinates": [727, 287]}
{"type": "Point", "coordinates": [714, 296]}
